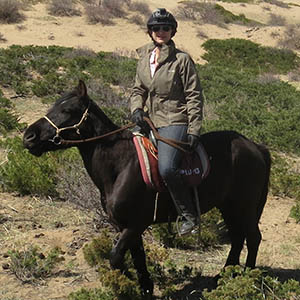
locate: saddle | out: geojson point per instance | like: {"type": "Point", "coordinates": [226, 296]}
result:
{"type": "Point", "coordinates": [194, 168]}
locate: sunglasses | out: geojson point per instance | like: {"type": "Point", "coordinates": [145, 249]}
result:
{"type": "Point", "coordinates": [163, 28]}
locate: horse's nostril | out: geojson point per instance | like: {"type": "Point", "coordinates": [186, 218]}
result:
{"type": "Point", "coordinates": [30, 137]}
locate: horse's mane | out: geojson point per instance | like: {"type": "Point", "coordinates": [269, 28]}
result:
{"type": "Point", "coordinates": [101, 115]}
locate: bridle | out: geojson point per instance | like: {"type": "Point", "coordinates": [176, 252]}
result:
{"type": "Point", "coordinates": [57, 139]}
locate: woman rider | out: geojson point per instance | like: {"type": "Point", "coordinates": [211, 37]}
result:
{"type": "Point", "coordinates": [167, 85]}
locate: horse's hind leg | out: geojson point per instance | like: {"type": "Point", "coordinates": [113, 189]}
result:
{"type": "Point", "coordinates": [253, 238]}
{"type": "Point", "coordinates": [139, 261]}
{"type": "Point", "coordinates": [237, 237]}
{"type": "Point", "coordinates": [241, 227]}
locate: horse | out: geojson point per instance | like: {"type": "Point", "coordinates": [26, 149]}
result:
{"type": "Point", "coordinates": [237, 183]}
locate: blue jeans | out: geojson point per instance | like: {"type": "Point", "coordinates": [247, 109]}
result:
{"type": "Point", "coordinates": [169, 160]}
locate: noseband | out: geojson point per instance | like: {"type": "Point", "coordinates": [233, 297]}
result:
{"type": "Point", "coordinates": [57, 138]}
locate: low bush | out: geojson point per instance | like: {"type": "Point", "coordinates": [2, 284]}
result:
{"type": "Point", "coordinates": [63, 8]}
{"type": "Point", "coordinates": [276, 20]}
{"type": "Point", "coordinates": [105, 11]}
{"type": "Point", "coordinates": [163, 270]}
{"type": "Point", "coordinates": [26, 174]}
{"type": "Point", "coordinates": [236, 283]}
{"type": "Point", "coordinates": [278, 3]}
{"type": "Point", "coordinates": [230, 18]}
{"type": "Point", "coordinates": [10, 12]}
{"type": "Point", "coordinates": [32, 265]}
{"type": "Point", "coordinates": [140, 7]}
{"type": "Point", "coordinates": [210, 13]}
{"type": "Point", "coordinates": [291, 37]}
{"type": "Point", "coordinates": [210, 233]}
{"type": "Point", "coordinates": [238, 1]}
{"type": "Point", "coordinates": [295, 211]}
{"type": "Point", "coordinates": [99, 249]}
{"type": "Point", "coordinates": [284, 181]}
{"type": "Point", "coordinates": [92, 294]}
{"type": "Point", "coordinates": [49, 71]}
{"type": "Point", "coordinates": [247, 56]}
{"type": "Point", "coordinates": [8, 119]}
{"type": "Point", "coordinates": [265, 112]}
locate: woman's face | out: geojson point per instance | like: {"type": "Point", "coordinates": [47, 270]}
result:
{"type": "Point", "coordinates": [161, 34]}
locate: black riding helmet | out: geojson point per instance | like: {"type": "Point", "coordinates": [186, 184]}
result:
{"type": "Point", "coordinates": [162, 17]}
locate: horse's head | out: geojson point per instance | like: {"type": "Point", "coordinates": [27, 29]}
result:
{"type": "Point", "coordinates": [65, 120]}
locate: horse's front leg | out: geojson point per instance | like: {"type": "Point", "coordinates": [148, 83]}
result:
{"type": "Point", "coordinates": [130, 239]}
{"type": "Point", "coordinates": [119, 250]}
{"type": "Point", "coordinates": [139, 260]}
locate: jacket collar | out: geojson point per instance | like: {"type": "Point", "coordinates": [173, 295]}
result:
{"type": "Point", "coordinates": [166, 50]}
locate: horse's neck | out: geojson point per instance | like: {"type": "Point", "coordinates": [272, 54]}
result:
{"type": "Point", "coordinates": [104, 160]}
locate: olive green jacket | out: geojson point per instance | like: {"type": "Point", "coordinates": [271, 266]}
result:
{"type": "Point", "coordinates": [173, 96]}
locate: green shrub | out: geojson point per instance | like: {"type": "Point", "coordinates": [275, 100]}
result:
{"type": "Point", "coordinates": [284, 182]}
{"type": "Point", "coordinates": [265, 112]}
{"type": "Point", "coordinates": [209, 236]}
{"type": "Point", "coordinates": [26, 174]}
{"type": "Point", "coordinates": [32, 265]}
{"type": "Point", "coordinates": [235, 283]}
{"type": "Point", "coordinates": [114, 69]}
{"type": "Point", "coordinates": [163, 270]}
{"type": "Point", "coordinates": [8, 121]}
{"type": "Point", "coordinates": [119, 284]}
{"type": "Point", "coordinates": [229, 17]}
{"type": "Point", "coordinates": [295, 212]}
{"type": "Point", "coordinates": [99, 249]}
{"type": "Point", "coordinates": [248, 56]}
{"type": "Point", "coordinates": [50, 71]}
{"type": "Point", "coordinates": [93, 294]}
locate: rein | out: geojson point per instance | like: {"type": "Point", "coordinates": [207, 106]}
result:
{"type": "Point", "coordinates": [58, 140]}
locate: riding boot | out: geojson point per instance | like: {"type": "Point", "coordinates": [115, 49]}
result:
{"type": "Point", "coordinates": [183, 200]}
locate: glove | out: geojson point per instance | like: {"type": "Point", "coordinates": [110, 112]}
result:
{"type": "Point", "coordinates": [193, 140]}
{"type": "Point", "coordinates": [138, 118]}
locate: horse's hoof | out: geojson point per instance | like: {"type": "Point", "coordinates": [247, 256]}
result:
{"type": "Point", "coordinates": [147, 295]}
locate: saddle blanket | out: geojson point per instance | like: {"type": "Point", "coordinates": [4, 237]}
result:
{"type": "Point", "coordinates": [193, 170]}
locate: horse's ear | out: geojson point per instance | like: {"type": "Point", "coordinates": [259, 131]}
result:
{"type": "Point", "coordinates": [81, 89]}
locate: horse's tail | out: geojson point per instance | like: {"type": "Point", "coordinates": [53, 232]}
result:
{"type": "Point", "coordinates": [267, 159]}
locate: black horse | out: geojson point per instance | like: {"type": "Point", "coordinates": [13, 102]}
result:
{"type": "Point", "coordinates": [237, 183]}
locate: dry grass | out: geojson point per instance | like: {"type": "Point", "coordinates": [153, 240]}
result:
{"type": "Point", "coordinates": [98, 14]}
{"type": "Point", "coordinates": [10, 12]}
{"type": "Point", "coordinates": [64, 8]}
{"type": "Point", "coordinates": [140, 7]}
{"type": "Point", "coordinates": [277, 3]}
{"type": "Point", "coordinates": [277, 20]}
{"type": "Point", "coordinates": [201, 34]}
{"type": "Point", "coordinates": [138, 20]}
{"type": "Point", "coordinates": [294, 76]}
{"type": "Point", "coordinates": [291, 38]}
{"type": "Point", "coordinates": [203, 13]}
{"type": "Point", "coordinates": [2, 38]}
{"type": "Point", "coordinates": [267, 78]}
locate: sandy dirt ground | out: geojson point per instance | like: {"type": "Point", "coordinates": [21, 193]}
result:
{"type": "Point", "coordinates": [42, 29]}
{"type": "Point", "coordinates": [28, 220]}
